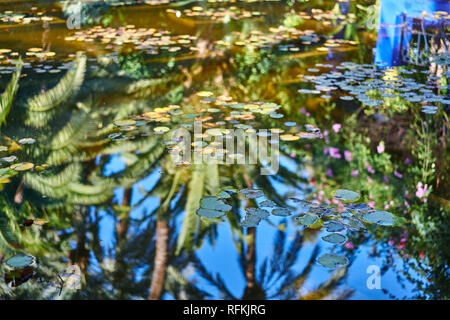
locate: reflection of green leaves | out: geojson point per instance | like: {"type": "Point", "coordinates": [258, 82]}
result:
{"type": "Point", "coordinates": [189, 225]}
{"type": "Point", "coordinates": [40, 105]}
{"type": "Point", "coordinates": [6, 99]}
{"type": "Point", "coordinates": [331, 260]}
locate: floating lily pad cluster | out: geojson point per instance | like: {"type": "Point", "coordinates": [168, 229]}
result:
{"type": "Point", "coordinates": [214, 14]}
{"type": "Point", "coordinates": [371, 85]}
{"type": "Point", "coordinates": [151, 40]}
{"type": "Point", "coordinates": [280, 37]}
{"type": "Point", "coordinates": [10, 164]}
{"type": "Point", "coordinates": [336, 220]}
{"type": "Point", "coordinates": [218, 116]}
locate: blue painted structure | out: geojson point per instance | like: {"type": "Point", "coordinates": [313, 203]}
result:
{"type": "Point", "coordinates": [392, 13]}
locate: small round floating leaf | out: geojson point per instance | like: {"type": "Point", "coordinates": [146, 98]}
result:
{"type": "Point", "coordinates": [252, 193]}
{"type": "Point", "coordinates": [333, 226]}
{"type": "Point", "coordinates": [161, 129]}
{"type": "Point", "coordinates": [334, 238]}
{"type": "Point", "coordinates": [308, 219]}
{"type": "Point", "coordinates": [289, 137]}
{"type": "Point", "coordinates": [223, 194]}
{"type": "Point", "coordinates": [267, 204]}
{"type": "Point", "coordinates": [347, 195]}
{"type": "Point", "coordinates": [214, 203]}
{"type": "Point", "coordinates": [281, 212]}
{"type": "Point", "coordinates": [124, 122]}
{"type": "Point", "coordinates": [331, 260]}
{"type": "Point", "coordinates": [382, 218]}
{"type": "Point", "coordinates": [26, 141]}
{"type": "Point", "coordinates": [20, 261]}
{"type": "Point", "coordinates": [210, 213]}
{"type": "Point", "coordinates": [260, 213]}
{"type": "Point", "coordinates": [9, 159]}
{"type": "Point", "coordinates": [22, 166]}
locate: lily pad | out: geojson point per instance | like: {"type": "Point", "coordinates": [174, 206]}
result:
{"type": "Point", "coordinates": [210, 213]}
{"type": "Point", "coordinates": [335, 238]}
{"type": "Point", "coordinates": [308, 219]}
{"type": "Point", "coordinates": [334, 226]}
{"type": "Point", "coordinates": [347, 195]}
{"type": "Point", "coordinates": [27, 141]}
{"type": "Point", "coordinates": [382, 218]}
{"type": "Point", "coordinates": [260, 213]}
{"type": "Point", "coordinates": [332, 261]}
{"type": "Point", "coordinates": [267, 204]}
{"type": "Point", "coordinates": [252, 193]}
{"type": "Point", "coordinates": [214, 203]}
{"type": "Point", "coordinates": [20, 261]}
{"type": "Point", "coordinates": [125, 122]}
{"type": "Point", "coordinates": [281, 212]}
{"type": "Point", "coordinates": [22, 166]}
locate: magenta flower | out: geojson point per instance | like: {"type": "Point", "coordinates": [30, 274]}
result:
{"type": "Point", "coordinates": [349, 245]}
{"type": "Point", "coordinates": [421, 190]}
{"type": "Point", "coordinates": [369, 168]}
{"type": "Point", "coordinates": [354, 173]}
{"type": "Point", "coordinates": [336, 127]}
{"type": "Point", "coordinates": [380, 147]}
{"type": "Point", "coordinates": [348, 155]}
{"type": "Point", "coordinates": [334, 153]}
{"type": "Point", "coordinates": [329, 173]}
{"type": "Point", "coordinates": [398, 174]}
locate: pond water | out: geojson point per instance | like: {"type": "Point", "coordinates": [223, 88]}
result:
{"type": "Point", "coordinates": [222, 150]}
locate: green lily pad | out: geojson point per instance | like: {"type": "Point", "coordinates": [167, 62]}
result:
{"type": "Point", "coordinates": [267, 204]}
{"type": "Point", "coordinates": [308, 219]}
{"type": "Point", "coordinates": [335, 238]}
{"type": "Point", "coordinates": [332, 261]}
{"type": "Point", "coordinates": [252, 193]}
{"type": "Point", "coordinates": [20, 261]}
{"type": "Point", "coordinates": [214, 203]}
{"type": "Point", "coordinates": [210, 213]}
{"type": "Point", "coordinates": [334, 226]}
{"type": "Point", "coordinates": [250, 221]}
{"type": "Point", "coordinates": [125, 122]}
{"type": "Point", "coordinates": [382, 218]}
{"type": "Point", "coordinates": [26, 141]}
{"type": "Point", "coordinates": [281, 212]}
{"type": "Point", "coordinates": [347, 195]}
{"type": "Point", "coordinates": [260, 213]}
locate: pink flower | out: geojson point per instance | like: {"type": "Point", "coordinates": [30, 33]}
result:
{"type": "Point", "coordinates": [336, 127]}
{"type": "Point", "coordinates": [325, 150]}
{"type": "Point", "coordinates": [421, 191]}
{"type": "Point", "coordinates": [292, 155]}
{"type": "Point", "coordinates": [329, 172]}
{"type": "Point", "coordinates": [348, 155]}
{"type": "Point", "coordinates": [354, 173]}
{"type": "Point", "coordinates": [349, 245]}
{"type": "Point", "coordinates": [369, 168]}
{"type": "Point", "coordinates": [380, 147]}
{"type": "Point", "coordinates": [398, 174]}
{"type": "Point", "coordinates": [371, 204]}
{"type": "Point", "coordinates": [334, 153]}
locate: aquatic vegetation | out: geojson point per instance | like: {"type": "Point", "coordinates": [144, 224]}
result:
{"type": "Point", "coordinates": [363, 80]}
{"type": "Point", "coordinates": [88, 150]}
